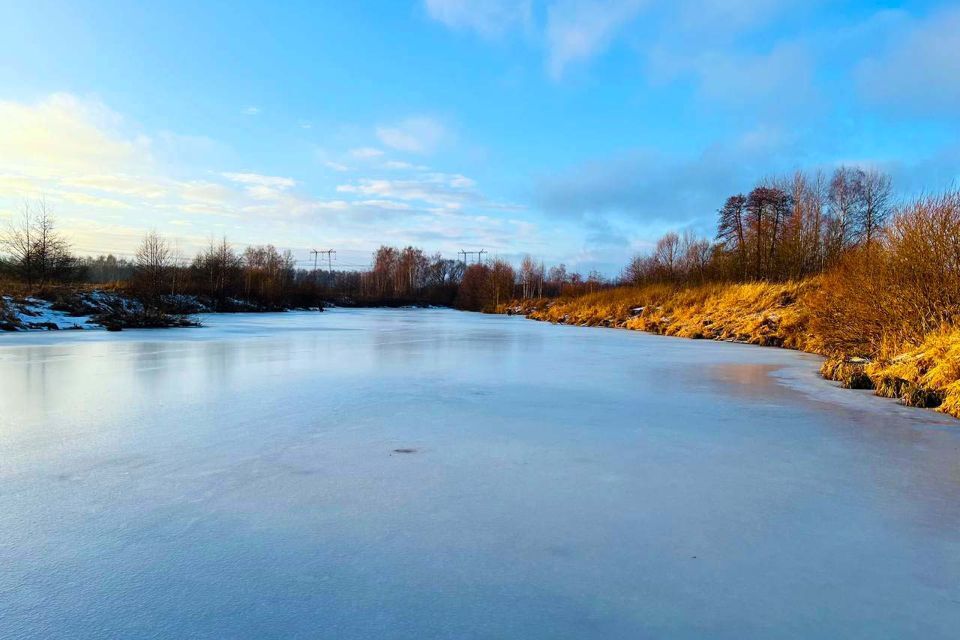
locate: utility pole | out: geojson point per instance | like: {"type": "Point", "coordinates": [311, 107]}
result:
{"type": "Point", "coordinates": [480, 255]}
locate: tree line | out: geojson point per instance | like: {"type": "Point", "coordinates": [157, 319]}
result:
{"type": "Point", "coordinates": [35, 253]}
{"type": "Point", "coordinates": [784, 228]}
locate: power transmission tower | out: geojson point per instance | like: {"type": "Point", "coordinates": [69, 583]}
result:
{"type": "Point", "coordinates": [330, 253]}
{"type": "Point", "coordinates": [315, 254]}
{"type": "Point", "coordinates": [479, 255]}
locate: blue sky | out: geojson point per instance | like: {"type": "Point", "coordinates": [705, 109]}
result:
{"type": "Point", "coordinates": [575, 130]}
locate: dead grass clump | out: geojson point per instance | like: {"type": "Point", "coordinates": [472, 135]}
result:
{"type": "Point", "coordinates": [925, 376]}
{"type": "Point", "coordinates": [849, 372]}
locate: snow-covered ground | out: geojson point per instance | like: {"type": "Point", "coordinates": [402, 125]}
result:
{"type": "Point", "coordinates": [80, 310]}
{"type": "Point", "coordinates": [32, 314]}
{"type": "Point", "coordinates": [432, 474]}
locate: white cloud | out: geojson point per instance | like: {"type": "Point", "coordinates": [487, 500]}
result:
{"type": "Point", "coordinates": [66, 133]}
{"type": "Point", "coordinates": [365, 153]}
{"type": "Point", "coordinates": [575, 30]}
{"type": "Point", "coordinates": [736, 16]}
{"type": "Point", "coordinates": [18, 184]}
{"type": "Point", "coordinates": [415, 135]}
{"type": "Point", "coordinates": [260, 187]}
{"type": "Point", "coordinates": [450, 191]}
{"type": "Point", "coordinates": [260, 180]}
{"type": "Point", "coordinates": [399, 165]}
{"type": "Point", "coordinates": [210, 193]}
{"type": "Point", "coordinates": [336, 166]}
{"type": "Point", "coordinates": [489, 18]}
{"type": "Point", "coordinates": [920, 69]}
{"type": "Point", "coordinates": [578, 30]}
{"type": "Point", "coordinates": [781, 78]}
{"type": "Point", "coordinates": [119, 184]}
{"type": "Point", "coordinates": [385, 204]}
{"type": "Point", "coordinates": [251, 111]}
{"type": "Point", "coordinates": [95, 172]}
{"type": "Point", "coordinates": [90, 200]}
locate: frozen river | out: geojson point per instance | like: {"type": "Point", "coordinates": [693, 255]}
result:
{"type": "Point", "coordinates": [241, 481]}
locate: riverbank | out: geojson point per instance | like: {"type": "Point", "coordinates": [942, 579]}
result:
{"type": "Point", "coordinates": [60, 309]}
{"type": "Point", "coordinates": [922, 374]}
{"type": "Point", "coordinates": [66, 307]}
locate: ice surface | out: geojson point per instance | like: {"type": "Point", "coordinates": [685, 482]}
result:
{"type": "Point", "coordinates": [241, 481]}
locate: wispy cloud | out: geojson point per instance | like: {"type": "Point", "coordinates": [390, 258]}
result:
{"type": "Point", "coordinates": [251, 111]}
{"type": "Point", "coordinates": [261, 187]}
{"type": "Point", "coordinates": [257, 179]}
{"type": "Point", "coordinates": [489, 18]}
{"type": "Point", "coordinates": [365, 153]}
{"type": "Point", "coordinates": [106, 189]}
{"type": "Point", "coordinates": [419, 134]}
{"type": "Point", "coordinates": [919, 69]}
{"type": "Point", "coordinates": [578, 30]}
{"type": "Point", "coordinates": [65, 133]}
{"type": "Point", "coordinates": [780, 79]}
{"type": "Point", "coordinates": [573, 31]}
{"type": "Point", "coordinates": [703, 16]}
{"type": "Point", "coordinates": [400, 165]}
{"type": "Point", "coordinates": [450, 191]}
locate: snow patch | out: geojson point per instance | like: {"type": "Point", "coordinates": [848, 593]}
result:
{"type": "Point", "coordinates": [34, 314]}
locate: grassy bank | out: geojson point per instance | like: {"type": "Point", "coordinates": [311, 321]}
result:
{"type": "Point", "coordinates": [922, 372]}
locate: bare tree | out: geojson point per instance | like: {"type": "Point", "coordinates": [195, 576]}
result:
{"type": "Point", "coordinates": [51, 250]}
{"type": "Point", "coordinates": [875, 191]}
{"type": "Point", "coordinates": [38, 251]}
{"type": "Point", "coordinates": [667, 254]}
{"type": "Point", "coordinates": [531, 275]}
{"type": "Point", "coordinates": [18, 243]}
{"type": "Point", "coordinates": [845, 200]}
{"type": "Point", "coordinates": [766, 208]}
{"type": "Point", "coordinates": [695, 256]}
{"type": "Point", "coordinates": [731, 229]}
{"type": "Point", "coordinates": [153, 264]}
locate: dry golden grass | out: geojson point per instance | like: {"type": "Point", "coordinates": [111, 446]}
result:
{"type": "Point", "coordinates": [925, 376]}
{"type": "Point", "coordinates": [756, 313]}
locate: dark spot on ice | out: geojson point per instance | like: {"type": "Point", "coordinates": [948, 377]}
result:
{"type": "Point", "coordinates": [404, 450]}
{"type": "Point", "coordinates": [560, 551]}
